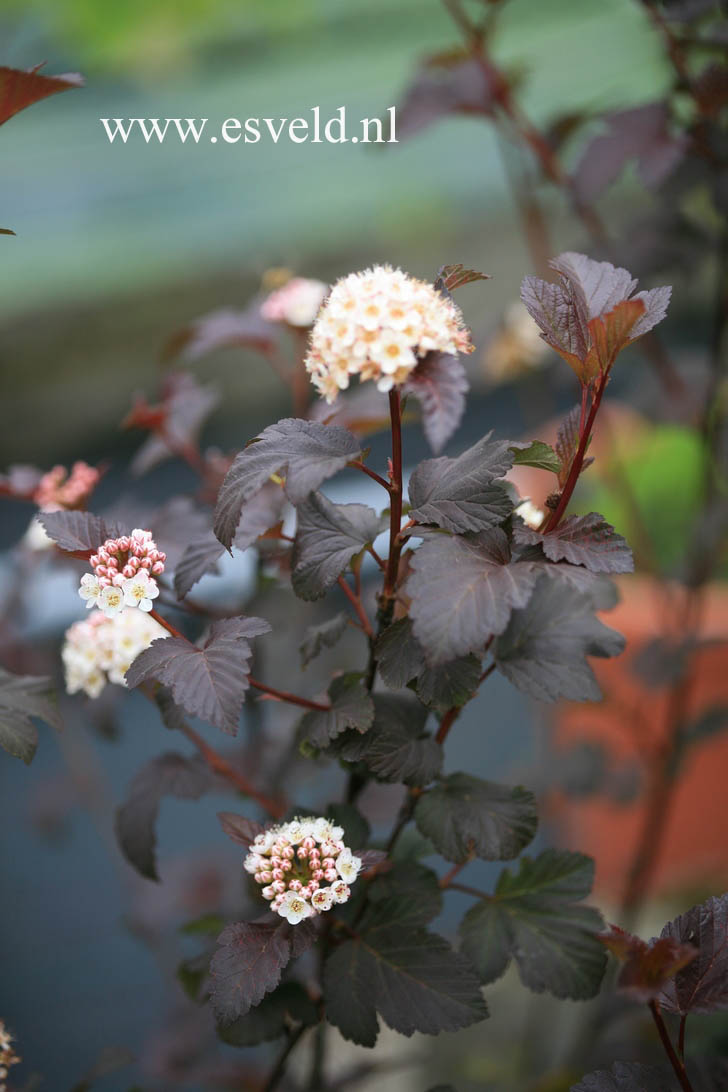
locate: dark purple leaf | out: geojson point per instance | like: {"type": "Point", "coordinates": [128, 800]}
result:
{"type": "Point", "coordinates": [239, 828]}
{"type": "Point", "coordinates": [400, 657]}
{"type": "Point", "coordinates": [439, 384]}
{"type": "Point", "coordinates": [412, 978]}
{"type": "Point", "coordinates": [23, 697]}
{"type": "Point", "coordinates": [201, 556]}
{"type": "Point", "coordinates": [463, 815]}
{"type": "Point", "coordinates": [583, 540]}
{"type": "Point", "coordinates": [567, 443]}
{"type": "Point", "coordinates": [169, 774]}
{"type": "Point", "coordinates": [647, 967]}
{"type": "Point", "coordinates": [396, 747]}
{"type": "Point", "coordinates": [445, 85]}
{"type": "Point", "coordinates": [544, 648]}
{"type": "Point", "coordinates": [703, 985]}
{"type": "Point", "coordinates": [325, 635]}
{"type": "Point", "coordinates": [351, 707]}
{"type": "Point", "coordinates": [176, 422]}
{"type": "Point", "coordinates": [459, 494]}
{"type": "Point", "coordinates": [272, 1018]}
{"type": "Point", "coordinates": [370, 858]}
{"type": "Point", "coordinates": [534, 918]}
{"type": "Point", "coordinates": [626, 1077]}
{"type": "Point", "coordinates": [308, 452]}
{"type": "Point", "coordinates": [223, 329]}
{"type": "Point", "coordinates": [463, 590]}
{"type": "Point", "coordinates": [246, 967]}
{"type": "Point", "coordinates": [78, 532]}
{"type": "Point", "coordinates": [20, 89]}
{"type": "Point", "coordinates": [450, 277]}
{"type": "Point", "coordinates": [209, 682]}
{"type": "Point", "coordinates": [640, 133]}
{"type": "Point", "coordinates": [328, 537]}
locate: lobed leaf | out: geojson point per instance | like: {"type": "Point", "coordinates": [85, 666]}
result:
{"type": "Point", "coordinates": [309, 452]}
{"type": "Point", "coordinates": [537, 454]}
{"type": "Point", "coordinates": [400, 657]}
{"type": "Point", "coordinates": [450, 277]}
{"type": "Point", "coordinates": [202, 554]}
{"type": "Point", "coordinates": [463, 590]}
{"type": "Point", "coordinates": [288, 1003]}
{"type": "Point", "coordinates": [533, 919]}
{"type": "Point", "coordinates": [168, 774]}
{"type": "Point", "coordinates": [439, 384]}
{"type": "Point", "coordinates": [223, 329]}
{"type": "Point", "coordinates": [23, 697]}
{"type": "Point", "coordinates": [209, 681]}
{"type": "Point", "coordinates": [459, 494]}
{"type": "Point", "coordinates": [464, 816]}
{"type": "Point", "coordinates": [410, 977]}
{"type": "Point", "coordinates": [583, 540]}
{"type": "Point", "coordinates": [702, 986]}
{"type": "Point", "coordinates": [324, 635]}
{"type": "Point", "coordinates": [246, 966]}
{"type": "Point", "coordinates": [396, 747]}
{"type": "Point", "coordinates": [78, 532]}
{"type": "Point", "coordinates": [328, 537]}
{"type": "Point", "coordinates": [543, 650]}
{"type": "Point", "coordinates": [175, 423]}
{"type": "Point", "coordinates": [238, 827]}
{"type": "Point", "coordinates": [646, 967]}
{"type": "Point", "coordinates": [351, 707]}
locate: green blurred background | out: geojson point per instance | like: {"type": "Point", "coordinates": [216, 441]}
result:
{"type": "Point", "coordinates": [118, 245]}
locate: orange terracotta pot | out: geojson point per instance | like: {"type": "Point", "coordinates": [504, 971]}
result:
{"type": "Point", "coordinates": [633, 722]}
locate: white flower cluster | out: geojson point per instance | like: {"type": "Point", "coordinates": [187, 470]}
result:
{"type": "Point", "coordinates": [122, 574]}
{"type": "Point", "coordinates": [100, 649]}
{"type": "Point", "coordinates": [297, 302]}
{"type": "Point", "coordinates": [8, 1056]}
{"type": "Point", "coordinates": [377, 324]}
{"type": "Point", "coordinates": [303, 867]}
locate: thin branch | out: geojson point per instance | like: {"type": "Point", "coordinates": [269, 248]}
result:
{"type": "Point", "coordinates": [450, 875]}
{"type": "Point", "coordinates": [220, 765]}
{"type": "Point", "coordinates": [377, 558]}
{"type": "Point", "coordinates": [358, 606]}
{"type": "Point", "coordinates": [359, 465]}
{"type": "Point", "coordinates": [395, 488]}
{"type": "Point", "coordinates": [285, 695]}
{"type": "Point", "coordinates": [675, 1062]}
{"type": "Point", "coordinates": [280, 1066]}
{"type": "Point", "coordinates": [552, 521]}
{"type": "Point", "coordinates": [474, 891]}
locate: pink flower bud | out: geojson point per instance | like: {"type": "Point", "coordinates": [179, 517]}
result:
{"type": "Point", "coordinates": [306, 892]}
{"type": "Point", "coordinates": [127, 571]}
{"type": "Point", "coordinates": [318, 874]}
{"type": "Point", "coordinates": [288, 851]}
{"type": "Point", "coordinates": [295, 885]}
{"type": "Point", "coordinates": [330, 874]}
{"type": "Point", "coordinates": [103, 555]}
{"type": "Point", "coordinates": [123, 543]}
{"type": "Point", "coordinates": [278, 873]}
{"type": "Point", "coordinates": [158, 567]}
{"type": "Point", "coordinates": [302, 853]}
{"type": "Point", "coordinates": [267, 876]}
{"type": "Point", "coordinates": [101, 570]}
{"type": "Point", "coordinates": [328, 862]}
{"type": "Point", "coordinates": [275, 862]}
{"type": "Point", "coordinates": [113, 563]}
{"type": "Point", "coordinates": [268, 893]}
{"type": "Point", "coordinates": [279, 886]}
{"type": "Point", "coordinates": [286, 866]}
{"type": "Point", "coordinates": [259, 877]}
{"type": "Point", "coordinates": [309, 843]}
{"type": "Point", "coordinates": [145, 563]}
{"type": "Point", "coordinates": [314, 884]}
{"type": "Point", "coordinates": [94, 560]}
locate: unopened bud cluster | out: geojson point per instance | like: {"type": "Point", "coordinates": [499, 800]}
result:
{"type": "Point", "coordinates": [8, 1056]}
{"type": "Point", "coordinates": [123, 574]}
{"type": "Point", "coordinates": [296, 303]}
{"type": "Point", "coordinates": [58, 489]}
{"type": "Point", "coordinates": [303, 867]}
{"type": "Point", "coordinates": [98, 650]}
{"type": "Point", "coordinates": [377, 325]}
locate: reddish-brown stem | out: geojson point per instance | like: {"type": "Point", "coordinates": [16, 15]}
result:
{"type": "Point", "coordinates": [356, 603]}
{"type": "Point", "coordinates": [220, 765]}
{"type": "Point", "coordinates": [395, 490]}
{"type": "Point", "coordinates": [359, 465]}
{"type": "Point", "coordinates": [285, 695]}
{"type": "Point", "coordinates": [377, 558]}
{"type": "Point", "coordinates": [450, 875]}
{"type": "Point", "coordinates": [469, 890]}
{"type": "Point", "coordinates": [675, 1062]}
{"type": "Point", "coordinates": [578, 460]}
{"type": "Point", "coordinates": [167, 625]}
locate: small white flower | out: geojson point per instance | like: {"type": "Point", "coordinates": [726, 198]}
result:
{"type": "Point", "coordinates": [531, 515]}
{"type": "Point", "coordinates": [322, 899]}
{"type": "Point", "coordinates": [339, 891]}
{"type": "Point", "coordinates": [90, 590]}
{"type": "Point", "coordinates": [294, 832]}
{"type": "Point", "coordinates": [348, 866]}
{"type": "Point", "coordinates": [253, 863]}
{"type": "Point", "coordinates": [110, 601]}
{"type": "Point", "coordinates": [139, 590]}
{"type": "Point", "coordinates": [293, 908]}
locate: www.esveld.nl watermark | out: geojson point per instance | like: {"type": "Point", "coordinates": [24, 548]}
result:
{"type": "Point", "coordinates": [299, 130]}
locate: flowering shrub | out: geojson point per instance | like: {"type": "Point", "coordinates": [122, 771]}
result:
{"type": "Point", "coordinates": [474, 580]}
